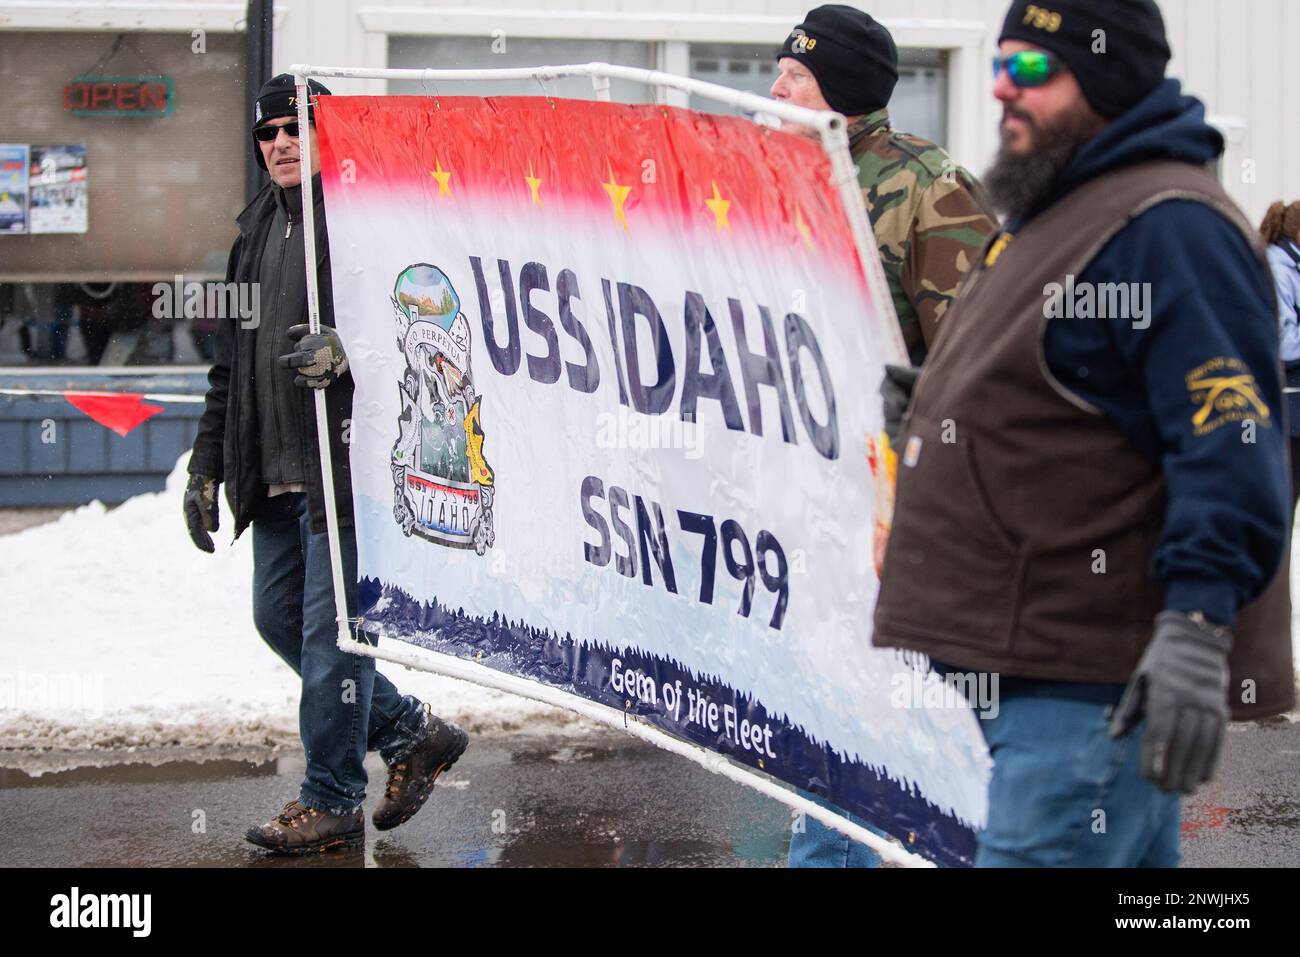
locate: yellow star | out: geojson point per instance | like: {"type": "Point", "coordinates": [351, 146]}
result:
{"type": "Point", "coordinates": [802, 226]}
{"type": "Point", "coordinates": [533, 184]}
{"type": "Point", "coordinates": [719, 206]}
{"type": "Point", "coordinates": [617, 196]}
{"type": "Point", "coordinates": [443, 177]}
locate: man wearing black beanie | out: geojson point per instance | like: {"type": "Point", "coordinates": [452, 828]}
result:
{"type": "Point", "coordinates": [928, 218]}
{"type": "Point", "coordinates": [1111, 526]}
{"type": "Point", "coordinates": [258, 436]}
{"type": "Point", "coordinates": [926, 210]}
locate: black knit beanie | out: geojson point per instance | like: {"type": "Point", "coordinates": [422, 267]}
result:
{"type": "Point", "coordinates": [276, 99]}
{"type": "Point", "coordinates": [1116, 49]}
{"type": "Point", "coordinates": [852, 57]}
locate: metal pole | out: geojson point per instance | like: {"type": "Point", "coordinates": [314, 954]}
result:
{"type": "Point", "coordinates": [302, 94]}
{"type": "Point", "coordinates": [844, 177]}
{"type": "Point", "coordinates": [425, 659]}
{"type": "Point", "coordinates": [257, 70]}
{"type": "Point", "coordinates": [750, 102]}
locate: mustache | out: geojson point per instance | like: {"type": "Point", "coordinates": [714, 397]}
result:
{"type": "Point", "coordinates": [1010, 111]}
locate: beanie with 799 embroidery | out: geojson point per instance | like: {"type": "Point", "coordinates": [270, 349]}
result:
{"type": "Point", "coordinates": [1116, 49]}
{"type": "Point", "coordinates": [852, 57]}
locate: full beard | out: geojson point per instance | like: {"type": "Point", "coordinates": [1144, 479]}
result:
{"type": "Point", "coordinates": [1017, 183]}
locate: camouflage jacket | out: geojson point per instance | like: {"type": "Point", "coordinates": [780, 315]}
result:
{"type": "Point", "coordinates": [930, 220]}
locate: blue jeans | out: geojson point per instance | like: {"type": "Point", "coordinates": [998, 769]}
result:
{"type": "Point", "coordinates": [821, 846]}
{"type": "Point", "coordinates": [346, 706]}
{"type": "Point", "coordinates": [1064, 794]}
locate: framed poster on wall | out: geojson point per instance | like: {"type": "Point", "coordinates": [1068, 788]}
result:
{"type": "Point", "coordinates": [59, 203]}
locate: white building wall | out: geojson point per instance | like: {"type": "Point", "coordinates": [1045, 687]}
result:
{"type": "Point", "coordinates": [1230, 53]}
{"type": "Point", "coordinates": [1233, 54]}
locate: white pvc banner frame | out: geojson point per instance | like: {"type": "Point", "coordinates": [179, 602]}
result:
{"type": "Point", "coordinates": [832, 131]}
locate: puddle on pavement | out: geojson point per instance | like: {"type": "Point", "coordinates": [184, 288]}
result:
{"type": "Point", "coordinates": [570, 804]}
{"type": "Point", "coordinates": [161, 771]}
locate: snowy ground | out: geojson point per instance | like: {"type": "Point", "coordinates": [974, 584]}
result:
{"type": "Point", "coordinates": [122, 634]}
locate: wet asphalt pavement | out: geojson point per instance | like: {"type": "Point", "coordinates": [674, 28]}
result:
{"type": "Point", "coordinates": [591, 799]}
{"type": "Point", "coordinates": [595, 799]}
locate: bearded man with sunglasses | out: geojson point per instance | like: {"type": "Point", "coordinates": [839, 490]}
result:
{"type": "Point", "coordinates": [1092, 495]}
{"type": "Point", "coordinates": [258, 435]}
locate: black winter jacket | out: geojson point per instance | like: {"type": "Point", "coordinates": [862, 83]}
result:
{"type": "Point", "coordinates": [227, 446]}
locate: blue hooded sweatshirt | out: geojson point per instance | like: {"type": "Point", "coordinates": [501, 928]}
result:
{"type": "Point", "coordinates": [1209, 299]}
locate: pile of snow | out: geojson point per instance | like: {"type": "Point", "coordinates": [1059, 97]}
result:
{"type": "Point", "coordinates": [121, 633]}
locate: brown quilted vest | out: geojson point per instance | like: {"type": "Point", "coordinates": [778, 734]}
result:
{"type": "Point", "coordinates": [991, 561]}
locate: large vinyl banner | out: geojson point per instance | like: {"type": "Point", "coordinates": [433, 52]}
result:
{"type": "Point", "coordinates": [614, 431]}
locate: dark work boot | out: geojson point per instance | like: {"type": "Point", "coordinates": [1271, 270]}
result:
{"type": "Point", "coordinates": [299, 829]}
{"type": "Point", "coordinates": [410, 780]}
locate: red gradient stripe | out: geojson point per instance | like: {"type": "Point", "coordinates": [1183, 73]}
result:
{"type": "Point", "coordinates": [772, 179]}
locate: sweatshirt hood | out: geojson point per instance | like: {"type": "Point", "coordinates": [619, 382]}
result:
{"type": "Point", "coordinates": [1166, 125]}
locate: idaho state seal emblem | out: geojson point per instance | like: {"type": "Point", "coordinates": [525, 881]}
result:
{"type": "Point", "coordinates": [442, 486]}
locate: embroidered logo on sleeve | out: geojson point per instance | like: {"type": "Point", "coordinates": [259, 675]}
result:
{"type": "Point", "coordinates": [996, 250]}
{"type": "Point", "coordinates": [1223, 390]}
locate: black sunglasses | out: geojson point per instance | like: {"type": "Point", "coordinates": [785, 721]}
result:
{"type": "Point", "coordinates": [266, 134]}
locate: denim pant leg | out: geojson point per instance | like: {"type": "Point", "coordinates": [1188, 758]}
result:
{"type": "Point", "coordinates": [336, 685]}
{"type": "Point", "coordinates": [396, 720]}
{"type": "Point", "coordinates": [1064, 794]}
{"type": "Point", "coordinates": [822, 846]}
{"type": "Point", "coordinates": [282, 544]}
{"type": "Point", "coordinates": [278, 579]}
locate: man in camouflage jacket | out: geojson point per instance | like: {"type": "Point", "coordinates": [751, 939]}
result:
{"type": "Point", "coordinates": [928, 213]}
{"type": "Point", "coordinates": [929, 221]}
{"type": "Point", "coordinates": [928, 216]}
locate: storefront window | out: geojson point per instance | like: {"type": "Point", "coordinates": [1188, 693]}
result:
{"type": "Point", "coordinates": [122, 161]}
{"type": "Point", "coordinates": [502, 52]}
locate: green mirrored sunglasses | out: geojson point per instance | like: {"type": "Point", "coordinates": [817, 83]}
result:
{"type": "Point", "coordinates": [1028, 68]}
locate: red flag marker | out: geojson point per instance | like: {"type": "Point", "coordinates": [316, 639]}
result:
{"type": "Point", "coordinates": [121, 413]}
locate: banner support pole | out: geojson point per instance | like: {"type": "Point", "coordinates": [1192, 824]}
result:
{"type": "Point", "coordinates": [455, 667]}
{"type": "Point", "coordinates": [313, 323]}
{"type": "Point", "coordinates": [844, 177]}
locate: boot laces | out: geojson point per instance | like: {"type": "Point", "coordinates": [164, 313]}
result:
{"type": "Point", "coordinates": [290, 816]}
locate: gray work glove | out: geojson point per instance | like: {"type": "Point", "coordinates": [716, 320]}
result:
{"type": "Point", "coordinates": [896, 391]}
{"type": "Point", "coordinates": [1181, 687]}
{"type": "Point", "coordinates": [201, 511]}
{"type": "Point", "coordinates": [320, 359]}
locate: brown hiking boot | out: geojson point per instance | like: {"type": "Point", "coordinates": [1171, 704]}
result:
{"type": "Point", "coordinates": [410, 780]}
{"type": "Point", "coordinates": [303, 830]}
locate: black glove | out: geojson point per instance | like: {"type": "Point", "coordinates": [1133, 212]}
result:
{"type": "Point", "coordinates": [896, 390]}
{"type": "Point", "coordinates": [201, 510]}
{"type": "Point", "coordinates": [320, 359]}
{"type": "Point", "coordinates": [1181, 686]}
